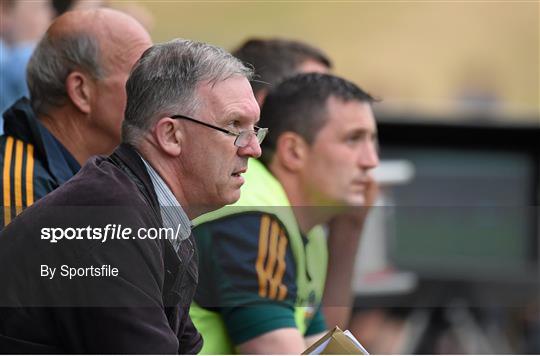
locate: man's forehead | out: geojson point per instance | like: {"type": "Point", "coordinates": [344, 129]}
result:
{"type": "Point", "coordinates": [230, 97]}
{"type": "Point", "coordinates": [349, 114]}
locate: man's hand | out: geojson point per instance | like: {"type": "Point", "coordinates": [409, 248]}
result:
{"type": "Point", "coordinates": [345, 230]}
{"type": "Point", "coordinates": [280, 341]}
{"type": "Point", "coordinates": [354, 217]}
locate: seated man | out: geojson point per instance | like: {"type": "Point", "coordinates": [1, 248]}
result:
{"type": "Point", "coordinates": [187, 136]}
{"type": "Point", "coordinates": [76, 76]}
{"type": "Point", "coordinates": [273, 60]}
{"type": "Point", "coordinates": [263, 260]}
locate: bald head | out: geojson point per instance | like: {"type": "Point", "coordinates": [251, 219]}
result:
{"type": "Point", "coordinates": [115, 32]}
{"type": "Point", "coordinates": [91, 41]}
{"type": "Point", "coordinates": [78, 72]}
{"type": "Point", "coordinates": [96, 21]}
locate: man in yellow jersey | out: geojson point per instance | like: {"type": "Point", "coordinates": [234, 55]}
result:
{"type": "Point", "coordinates": [263, 260]}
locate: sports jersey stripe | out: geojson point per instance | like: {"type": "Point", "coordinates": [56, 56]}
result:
{"type": "Point", "coordinates": [263, 248]}
{"type": "Point", "coordinates": [282, 265]}
{"type": "Point", "coordinates": [272, 259]}
{"type": "Point", "coordinates": [17, 182]}
{"type": "Point", "coordinates": [7, 181]}
{"type": "Point", "coordinates": [29, 175]}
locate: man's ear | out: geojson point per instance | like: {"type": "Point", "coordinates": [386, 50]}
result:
{"type": "Point", "coordinates": [79, 90]}
{"type": "Point", "coordinates": [291, 151]}
{"type": "Point", "coordinates": [260, 96]}
{"type": "Point", "coordinates": [168, 137]}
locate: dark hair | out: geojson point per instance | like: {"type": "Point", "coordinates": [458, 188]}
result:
{"type": "Point", "coordinates": [276, 59]}
{"type": "Point", "coordinates": [61, 6]}
{"type": "Point", "coordinates": [298, 105]}
{"type": "Point", "coordinates": [8, 4]}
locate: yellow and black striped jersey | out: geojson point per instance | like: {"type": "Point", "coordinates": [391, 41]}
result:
{"type": "Point", "coordinates": [33, 162]}
{"type": "Point", "coordinates": [245, 261]}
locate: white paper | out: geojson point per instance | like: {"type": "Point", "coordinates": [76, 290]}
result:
{"type": "Point", "coordinates": [356, 342]}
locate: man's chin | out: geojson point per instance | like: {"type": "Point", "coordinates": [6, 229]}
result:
{"type": "Point", "coordinates": [224, 199]}
{"type": "Point", "coordinates": [233, 197]}
{"type": "Point", "coordinates": [356, 201]}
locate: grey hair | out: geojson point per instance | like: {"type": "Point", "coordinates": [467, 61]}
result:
{"type": "Point", "coordinates": [54, 58]}
{"type": "Point", "coordinates": [164, 80]}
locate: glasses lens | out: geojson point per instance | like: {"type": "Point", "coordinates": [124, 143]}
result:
{"type": "Point", "coordinates": [261, 134]}
{"type": "Point", "coordinates": [244, 137]}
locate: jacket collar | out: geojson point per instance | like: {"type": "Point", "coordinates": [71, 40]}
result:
{"type": "Point", "coordinates": [132, 164]}
{"type": "Point", "coordinates": [21, 122]}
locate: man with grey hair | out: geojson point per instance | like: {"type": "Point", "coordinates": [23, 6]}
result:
{"type": "Point", "coordinates": [76, 78]}
{"type": "Point", "coordinates": [187, 136]}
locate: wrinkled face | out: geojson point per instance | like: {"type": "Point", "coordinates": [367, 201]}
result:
{"type": "Point", "coordinates": [110, 94]}
{"type": "Point", "coordinates": [343, 152]}
{"type": "Point", "coordinates": [211, 163]}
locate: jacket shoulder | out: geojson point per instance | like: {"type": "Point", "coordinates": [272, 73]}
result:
{"type": "Point", "coordinates": [99, 182]}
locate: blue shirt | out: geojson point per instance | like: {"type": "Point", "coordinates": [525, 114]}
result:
{"type": "Point", "coordinates": [171, 211]}
{"type": "Point", "coordinates": [13, 62]}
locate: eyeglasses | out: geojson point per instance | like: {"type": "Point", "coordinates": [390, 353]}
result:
{"type": "Point", "coordinates": [242, 138]}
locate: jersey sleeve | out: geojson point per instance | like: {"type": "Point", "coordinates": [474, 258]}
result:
{"type": "Point", "coordinates": [247, 274]}
{"type": "Point", "coordinates": [317, 325]}
{"type": "Point", "coordinates": [24, 180]}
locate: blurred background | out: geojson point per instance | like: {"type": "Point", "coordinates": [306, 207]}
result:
{"type": "Point", "coordinates": [434, 57]}
{"type": "Point", "coordinates": [449, 262]}
{"type": "Point", "coordinates": [437, 58]}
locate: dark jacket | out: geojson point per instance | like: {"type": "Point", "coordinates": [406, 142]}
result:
{"type": "Point", "coordinates": [142, 310]}
{"type": "Point", "coordinates": [34, 160]}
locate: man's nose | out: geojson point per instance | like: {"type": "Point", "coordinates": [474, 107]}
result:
{"type": "Point", "coordinates": [252, 149]}
{"type": "Point", "coordinates": [369, 156]}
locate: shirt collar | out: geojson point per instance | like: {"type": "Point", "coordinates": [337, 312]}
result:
{"type": "Point", "coordinates": [172, 213]}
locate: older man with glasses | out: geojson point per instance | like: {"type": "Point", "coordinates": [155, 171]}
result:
{"type": "Point", "coordinates": [166, 172]}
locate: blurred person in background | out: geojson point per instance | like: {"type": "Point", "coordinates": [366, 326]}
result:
{"type": "Point", "coordinates": [276, 59]}
{"type": "Point", "coordinates": [263, 260]}
{"type": "Point", "coordinates": [273, 60]}
{"type": "Point", "coordinates": [76, 78]}
{"type": "Point", "coordinates": [22, 26]}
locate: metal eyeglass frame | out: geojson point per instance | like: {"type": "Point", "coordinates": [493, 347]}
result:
{"type": "Point", "coordinates": [242, 137]}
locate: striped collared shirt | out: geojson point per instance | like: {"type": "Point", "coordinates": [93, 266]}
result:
{"type": "Point", "coordinates": [171, 211]}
